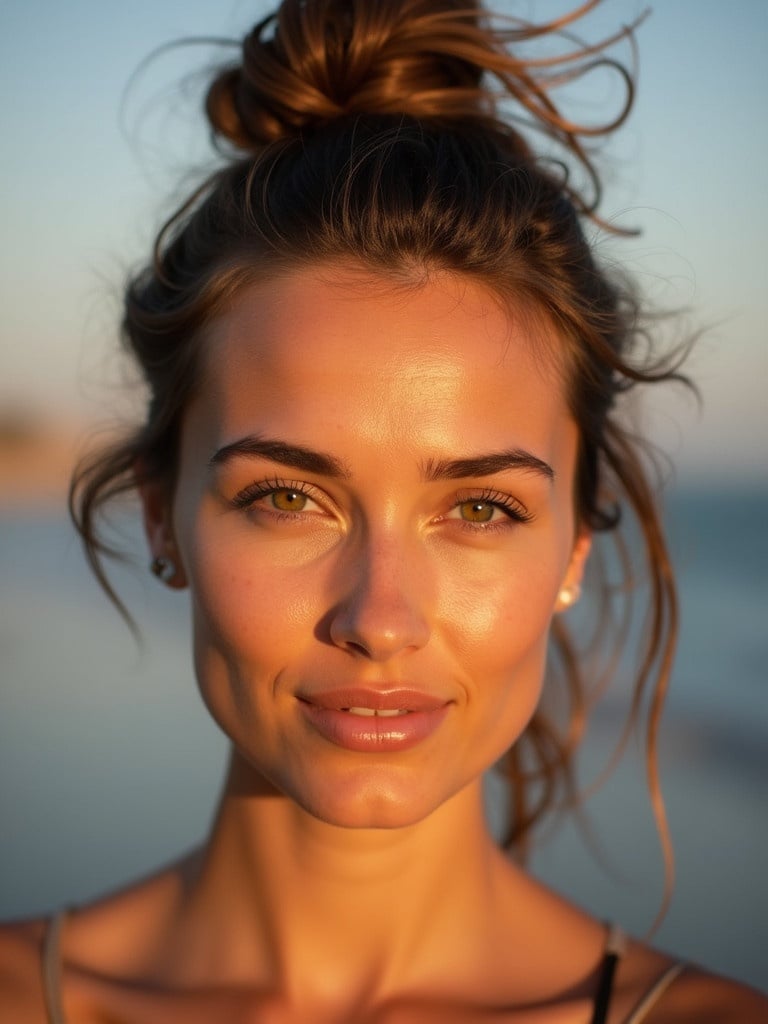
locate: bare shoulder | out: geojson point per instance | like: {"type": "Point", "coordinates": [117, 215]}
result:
{"type": "Point", "coordinates": [21, 994]}
{"type": "Point", "coordinates": [655, 988]}
{"type": "Point", "coordinates": [708, 999]}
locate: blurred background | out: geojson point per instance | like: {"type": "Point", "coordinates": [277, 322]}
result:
{"type": "Point", "coordinates": [108, 763]}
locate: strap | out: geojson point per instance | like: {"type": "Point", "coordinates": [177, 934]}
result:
{"type": "Point", "coordinates": [654, 994]}
{"type": "Point", "coordinates": [51, 967]}
{"type": "Point", "coordinates": [615, 945]}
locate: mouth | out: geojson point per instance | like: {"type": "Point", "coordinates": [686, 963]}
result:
{"type": "Point", "coordinates": [363, 720]}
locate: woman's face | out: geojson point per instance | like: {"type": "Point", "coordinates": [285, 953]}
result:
{"type": "Point", "coordinates": [374, 514]}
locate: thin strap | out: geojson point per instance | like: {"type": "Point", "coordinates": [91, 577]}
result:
{"type": "Point", "coordinates": [51, 965]}
{"type": "Point", "coordinates": [615, 946]}
{"type": "Point", "coordinates": [654, 994]}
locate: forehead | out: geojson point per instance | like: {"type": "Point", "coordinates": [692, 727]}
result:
{"type": "Point", "coordinates": [341, 342]}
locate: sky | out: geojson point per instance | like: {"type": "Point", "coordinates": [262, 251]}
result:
{"type": "Point", "coordinates": [91, 163]}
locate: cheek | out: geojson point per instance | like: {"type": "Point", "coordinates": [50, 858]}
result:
{"type": "Point", "coordinates": [498, 608]}
{"type": "Point", "coordinates": [251, 614]}
{"type": "Point", "coordinates": [252, 617]}
{"type": "Point", "coordinates": [499, 628]}
{"type": "Point", "coordinates": [251, 626]}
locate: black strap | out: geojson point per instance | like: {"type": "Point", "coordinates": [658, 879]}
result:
{"type": "Point", "coordinates": [605, 987]}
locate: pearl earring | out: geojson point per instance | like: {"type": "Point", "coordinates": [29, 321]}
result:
{"type": "Point", "coordinates": [163, 568]}
{"type": "Point", "coordinates": [568, 596]}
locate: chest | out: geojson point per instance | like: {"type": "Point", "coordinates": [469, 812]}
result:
{"type": "Point", "coordinates": [99, 1005]}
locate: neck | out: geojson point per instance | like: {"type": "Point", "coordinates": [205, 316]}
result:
{"type": "Point", "coordinates": [288, 896]}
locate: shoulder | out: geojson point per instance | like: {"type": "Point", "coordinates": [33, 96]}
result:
{"type": "Point", "coordinates": [696, 995]}
{"type": "Point", "coordinates": [21, 992]}
{"type": "Point", "coordinates": [656, 989]}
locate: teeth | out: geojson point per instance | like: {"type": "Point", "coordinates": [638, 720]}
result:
{"type": "Point", "coordinates": [370, 712]}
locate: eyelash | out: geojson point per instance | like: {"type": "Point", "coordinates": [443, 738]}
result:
{"type": "Point", "coordinates": [513, 510]}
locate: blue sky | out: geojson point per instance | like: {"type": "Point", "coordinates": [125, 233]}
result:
{"type": "Point", "coordinates": [89, 170]}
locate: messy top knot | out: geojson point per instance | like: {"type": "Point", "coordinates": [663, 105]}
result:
{"type": "Point", "coordinates": [309, 63]}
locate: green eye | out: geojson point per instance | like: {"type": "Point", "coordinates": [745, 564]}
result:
{"type": "Point", "coordinates": [287, 500]}
{"type": "Point", "coordinates": [477, 511]}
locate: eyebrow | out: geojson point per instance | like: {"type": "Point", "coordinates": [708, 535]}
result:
{"type": "Point", "coordinates": [300, 457]}
{"type": "Point", "coordinates": [295, 455]}
{"type": "Point", "coordinates": [485, 465]}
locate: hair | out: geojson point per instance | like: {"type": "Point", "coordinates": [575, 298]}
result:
{"type": "Point", "coordinates": [371, 132]}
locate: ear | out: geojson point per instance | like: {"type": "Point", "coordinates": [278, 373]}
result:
{"type": "Point", "coordinates": [570, 589]}
{"type": "Point", "coordinates": [156, 503]}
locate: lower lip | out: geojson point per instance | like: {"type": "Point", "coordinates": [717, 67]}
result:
{"type": "Point", "coordinates": [372, 733]}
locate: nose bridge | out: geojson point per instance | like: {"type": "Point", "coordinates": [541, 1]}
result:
{"type": "Point", "coordinates": [384, 605]}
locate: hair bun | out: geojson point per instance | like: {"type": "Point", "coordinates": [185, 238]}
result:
{"type": "Point", "coordinates": [316, 60]}
{"type": "Point", "coordinates": [313, 61]}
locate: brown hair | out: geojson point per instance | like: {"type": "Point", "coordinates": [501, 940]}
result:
{"type": "Point", "coordinates": [368, 130]}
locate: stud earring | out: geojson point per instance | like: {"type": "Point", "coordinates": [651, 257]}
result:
{"type": "Point", "coordinates": [568, 596]}
{"type": "Point", "coordinates": [163, 568]}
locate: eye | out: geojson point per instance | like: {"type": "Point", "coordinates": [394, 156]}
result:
{"type": "Point", "coordinates": [488, 510]}
{"type": "Point", "coordinates": [282, 499]}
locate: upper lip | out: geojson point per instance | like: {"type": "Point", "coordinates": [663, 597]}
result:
{"type": "Point", "coordinates": [390, 699]}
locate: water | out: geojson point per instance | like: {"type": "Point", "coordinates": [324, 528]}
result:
{"type": "Point", "coordinates": [109, 764]}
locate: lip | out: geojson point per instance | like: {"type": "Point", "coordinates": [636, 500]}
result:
{"type": "Point", "coordinates": [372, 733]}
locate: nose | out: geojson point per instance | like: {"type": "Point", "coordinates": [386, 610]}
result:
{"type": "Point", "coordinates": [385, 604]}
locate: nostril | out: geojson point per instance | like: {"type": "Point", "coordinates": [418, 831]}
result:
{"type": "Point", "coordinates": [355, 648]}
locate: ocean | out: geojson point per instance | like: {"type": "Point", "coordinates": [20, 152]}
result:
{"type": "Point", "coordinates": [109, 764]}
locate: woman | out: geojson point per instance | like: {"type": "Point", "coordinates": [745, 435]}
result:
{"type": "Point", "coordinates": [382, 433]}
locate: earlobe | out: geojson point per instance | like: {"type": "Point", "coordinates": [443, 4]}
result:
{"type": "Point", "coordinates": [165, 562]}
{"type": "Point", "coordinates": [570, 590]}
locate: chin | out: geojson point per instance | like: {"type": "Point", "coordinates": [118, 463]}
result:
{"type": "Point", "coordinates": [373, 815]}
{"type": "Point", "coordinates": [368, 799]}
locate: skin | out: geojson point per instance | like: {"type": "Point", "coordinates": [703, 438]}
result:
{"type": "Point", "coordinates": [340, 885]}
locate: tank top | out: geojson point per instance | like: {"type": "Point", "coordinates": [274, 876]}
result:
{"type": "Point", "coordinates": [614, 950]}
